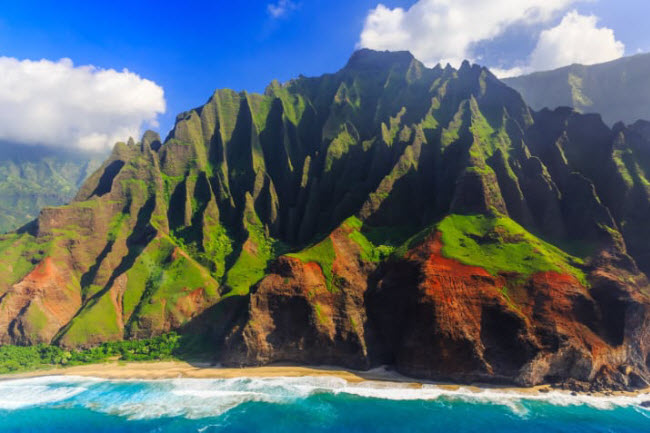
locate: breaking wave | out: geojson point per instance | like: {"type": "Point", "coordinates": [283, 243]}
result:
{"type": "Point", "coordinates": [200, 398]}
{"type": "Point", "coordinates": [20, 393]}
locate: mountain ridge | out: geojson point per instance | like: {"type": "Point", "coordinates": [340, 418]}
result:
{"type": "Point", "coordinates": [38, 176]}
{"type": "Point", "coordinates": [384, 214]}
{"type": "Point", "coordinates": [616, 89]}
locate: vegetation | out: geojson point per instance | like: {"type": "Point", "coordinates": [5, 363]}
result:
{"type": "Point", "coordinates": [171, 276]}
{"type": "Point", "coordinates": [98, 319]}
{"type": "Point", "coordinates": [338, 147]}
{"type": "Point", "coordinates": [15, 359]}
{"type": "Point", "coordinates": [323, 254]}
{"type": "Point", "coordinates": [18, 254]}
{"type": "Point", "coordinates": [35, 177]}
{"type": "Point", "coordinates": [499, 244]}
{"type": "Point", "coordinates": [369, 251]}
{"type": "Point", "coordinates": [256, 252]}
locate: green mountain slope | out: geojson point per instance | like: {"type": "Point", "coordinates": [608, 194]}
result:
{"type": "Point", "coordinates": [32, 177]}
{"type": "Point", "coordinates": [386, 213]}
{"type": "Point", "coordinates": [618, 90]}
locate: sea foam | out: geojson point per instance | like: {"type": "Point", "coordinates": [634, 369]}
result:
{"type": "Point", "coordinates": [20, 393]}
{"type": "Point", "coordinates": [200, 398]}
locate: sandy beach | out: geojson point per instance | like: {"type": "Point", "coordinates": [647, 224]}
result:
{"type": "Point", "coordinates": [180, 369]}
{"type": "Point", "coordinates": [119, 370]}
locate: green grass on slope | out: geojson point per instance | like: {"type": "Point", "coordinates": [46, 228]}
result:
{"type": "Point", "coordinates": [99, 319]}
{"type": "Point", "coordinates": [247, 270]}
{"type": "Point", "coordinates": [339, 147]}
{"type": "Point", "coordinates": [35, 178]}
{"type": "Point", "coordinates": [369, 251]}
{"type": "Point", "coordinates": [18, 253]}
{"type": "Point", "coordinates": [324, 255]}
{"type": "Point", "coordinates": [321, 253]}
{"type": "Point", "coordinates": [218, 246]}
{"type": "Point", "coordinates": [499, 244]}
{"type": "Point", "coordinates": [157, 281]}
{"type": "Point", "coordinates": [160, 279]}
{"type": "Point", "coordinates": [257, 251]}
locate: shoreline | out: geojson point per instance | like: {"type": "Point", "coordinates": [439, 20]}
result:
{"type": "Point", "coordinates": [165, 370]}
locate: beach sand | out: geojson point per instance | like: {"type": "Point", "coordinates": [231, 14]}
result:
{"type": "Point", "coordinates": [179, 369]}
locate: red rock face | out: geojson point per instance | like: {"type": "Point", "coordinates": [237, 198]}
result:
{"type": "Point", "coordinates": [455, 309]}
{"type": "Point", "coordinates": [293, 316]}
{"type": "Point", "coordinates": [434, 317]}
{"type": "Point", "coordinates": [35, 309]}
{"type": "Point", "coordinates": [469, 325]}
{"type": "Point", "coordinates": [472, 325]}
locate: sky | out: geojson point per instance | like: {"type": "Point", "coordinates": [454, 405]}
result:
{"type": "Point", "coordinates": [84, 74]}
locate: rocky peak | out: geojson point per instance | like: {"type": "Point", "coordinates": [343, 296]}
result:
{"type": "Point", "coordinates": [367, 59]}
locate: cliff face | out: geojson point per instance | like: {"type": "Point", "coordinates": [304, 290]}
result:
{"type": "Point", "coordinates": [438, 317]}
{"type": "Point", "coordinates": [385, 214]}
{"type": "Point", "coordinates": [618, 90]}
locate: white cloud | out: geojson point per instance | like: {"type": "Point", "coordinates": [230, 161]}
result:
{"type": "Point", "coordinates": [82, 107]}
{"type": "Point", "coordinates": [510, 72]}
{"type": "Point", "coordinates": [446, 30]}
{"type": "Point", "coordinates": [281, 8]}
{"type": "Point", "coordinates": [577, 39]}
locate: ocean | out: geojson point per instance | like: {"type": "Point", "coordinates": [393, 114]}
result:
{"type": "Point", "coordinates": [306, 404]}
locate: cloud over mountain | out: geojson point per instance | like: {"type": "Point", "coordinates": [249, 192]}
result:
{"type": "Point", "coordinates": [59, 104]}
{"type": "Point", "coordinates": [441, 31]}
{"type": "Point", "coordinates": [445, 31]}
{"type": "Point", "coordinates": [577, 39]}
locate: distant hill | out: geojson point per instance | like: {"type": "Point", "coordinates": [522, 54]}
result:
{"type": "Point", "coordinates": [32, 177]}
{"type": "Point", "coordinates": [618, 90]}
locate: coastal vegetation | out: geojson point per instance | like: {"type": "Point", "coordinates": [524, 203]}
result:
{"type": "Point", "coordinates": [16, 359]}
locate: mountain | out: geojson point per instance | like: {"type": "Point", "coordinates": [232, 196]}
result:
{"type": "Point", "coordinates": [385, 214]}
{"type": "Point", "coordinates": [32, 177]}
{"type": "Point", "coordinates": [619, 90]}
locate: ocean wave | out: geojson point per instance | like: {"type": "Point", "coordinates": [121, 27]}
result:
{"type": "Point", "coordinates": [201, 398]}
{"type": "Point", "coordinates": [21, 393]}
{"type": "Point", "coordinates": [493, 395]}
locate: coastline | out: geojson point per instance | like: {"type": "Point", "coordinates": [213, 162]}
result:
{"type": "Point", "coordinates": [164, 370]}
{"type": "Point", "coordinates": [174, 369]}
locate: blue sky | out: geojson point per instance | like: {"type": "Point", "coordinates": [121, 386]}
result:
{"type": "Point", "coordinates": [190, 48]}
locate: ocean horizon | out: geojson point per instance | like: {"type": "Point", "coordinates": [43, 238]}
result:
{"type": "Point", "coordinates": [315, 404]}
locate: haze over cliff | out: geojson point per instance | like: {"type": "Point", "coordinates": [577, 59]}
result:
{"type": "Point", "coordinates": [37, 176]}
{"type": "Point", "coordinates": [385, 214]}
{"type": "Point", "coordinates": [617, 90]}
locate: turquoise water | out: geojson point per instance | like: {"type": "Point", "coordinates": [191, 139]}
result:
{"type": "Point", "coordinates": [70, 404]}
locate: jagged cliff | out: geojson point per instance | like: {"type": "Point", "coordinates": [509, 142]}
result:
{"type": "Point", "coordinates": [385, 214]}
